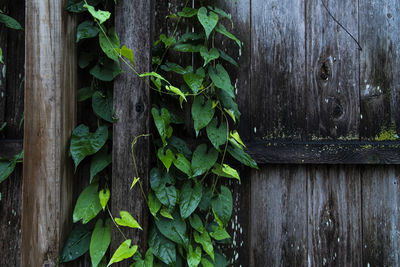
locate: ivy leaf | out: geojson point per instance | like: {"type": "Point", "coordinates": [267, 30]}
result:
{"type": "Point", "coordinates": [153, 74]}
{"type": "Point", "coordinates": [84, 143]}
{"type": "Point", "coordinates": [202, 160]}
{"type": "Point", "coordinates": [207, 21]}
{"type": "Point", "coordinates": [174, 230]}
{"type": "Point", "coordinates": [196, 223]}
{"type": "Point", "coordinates": [166, 214]}
{"type": "Point", "coordinates": [183, 164]}
{"type": "Point", "coordinates": [161, 121]}
{"type": "Point", "coordinates": [162, 248]}
{"type": "Point", "coordinates": [77, 243]}
{"type": "Point", "coordinates": [169, 66]}
{"type": "Point", "coordinates": [205, 241]}
{"type": "Point", "coordinates": [222, 205]}
{"type": "Point", "coordinates": [166, 157]}
{"type": "Point", "coordinates": [8, 166]}
{"type": "Point", "coordinates": [106, 70]}
{"type": "Point", "coordinates": [124, 251]}
{"type": "Point", "coordinates": [220, 260]}
{"type": "Point", "coordinates": [225, 170]}
{"type": "Point", "coordinates": [206, 199]}
{"type": "Point", "coordinates": [168, 41]}
{"type": "Point", "coordinates": [193, 256]}
{"type": "Point", "coordinates": [206, 263]}
{"type": "Point", "coordinates": [221, 13]}
{"type": "Point", "coordinates": [235, 135]}
{"type": "Point", "coordinates": [219, 234]}
{"type": "Point", "coordinates": [167, 195]}
{"type": "Point", "coordinates": [154, 204]}
{"type": "Point", "coordinates": [103, 105]}
{"type": "Point", "coordinates": [191, 36]}
{"type": "Point", "coordinates": [189, 198]}
{"type": "Point", "coordinates": [100, 15]}
{"type": "Point", "coordinates": [127, 53]}
{"type": "Point", "coordinates": [228, 102]}
{"type": "Point", "coordinates": [176, 91]}
{"type": "Point", "coordinates": [104, 196]}
{"type": "Point", "coordinates": [187, 48]}
{"type": "Point", "coordinates": [100, 240]}
{"type": "Point", "coordinates": [227, 58]}
{"type": "Point", "coordinates": [188, 12]}
{"type": "Point", "coordinates": [221, 79]}
{"type": "Point", "coordinates": [222, 30]}
{"type": "Point", "coordinates": [217, 135]}
{"type": "Point", "coordinates": [88, 204]}
{"type": "Point", "coordinates": [242, 156]}
{"type": "Point", "coordinates": [202, 113]}
{"type": "Point", "coordinates": [208, 56]}
{"type": "Point", "coordinates": [180, 146]}
{"type": "Point", "coordinates": [99, 162]}
{"type": "Point", "coordinates": [10, 22]}
{"type": "Point", "coordinates": [194, 81]}
{"type": "Point", "coordinates": [148, 260]}
{"type": "Point", "coordinates": [110, 43]}
{"type": "Point", "coordinates": [85, 93]}
{"type": "Point", "coordinates": [127, 220]}
{"type": "Point", "coordinates": [87, 29]}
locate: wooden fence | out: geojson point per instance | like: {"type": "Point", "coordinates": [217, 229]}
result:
{"type": "Point", "coordinates": [319, 115]}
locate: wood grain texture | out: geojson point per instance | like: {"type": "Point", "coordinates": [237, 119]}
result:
{"type": "Point", "coordinates": [277, 91]}
{"type": "Point", "coordinates": [380, 216]}
{"type": "Point", "coordinates": [132, 108]}
{"type": "Point", "coordinates": [278, 216]}
{"type": "Point", "coordinates": [334, 216]}
{"type": "Point", "coordinates": [50, 117]}
{"type": "Point", "coordinates": [325, 152]}
{"type": "Point", "coordinates": [380, 66]}
{"type": "Point", "coordinates": [332, 70]}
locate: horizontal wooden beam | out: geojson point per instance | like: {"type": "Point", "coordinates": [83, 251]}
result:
{"type": "Point", "coordinates": [10, 147]}
{"type": "Point", "coordinates": [325, 152]}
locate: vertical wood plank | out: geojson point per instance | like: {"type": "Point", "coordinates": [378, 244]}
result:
{"type": "Point", "coordinates": [132, 108]}
{"type": "Point", "coordinates": [380, 216]}
{"type": "Point", "coordinates": [379, 67]}
{"type": "Point", "coordinates": [49, 120]}
{"type": "Point", "coordinates": [279, 216]}
{"type": "Point", "coordinates": [277, 92]}
{"type": "Point", "coordinates": [332, 69]}
{"type": "Point", "coordinates": [334, 216]}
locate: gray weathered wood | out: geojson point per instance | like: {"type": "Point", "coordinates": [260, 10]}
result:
{"type": "Point", "coordinates": [278, 216]}
{"type": "Point", "coordinates": [379, 67]}
{"type": "Point", "coordinates": [380, 216]}
{"type": "Point", "coordinates": [10, 147]}
{"type": "Point", "coordinates": [132, 108]}
{"type": "Point", "coordinates": [325, 152]}
{"type": "Point", "coordinates": [49, 120]}
{"type": "Point", "coordinates": [332, 70]}
{"type": "Point", "coordinates": [334, 216]}
{"type": "Point", "coordinates": [278, 87]}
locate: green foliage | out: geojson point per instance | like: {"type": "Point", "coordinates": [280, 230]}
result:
{"type": "Point", "coordinates": [190, 206]}
{"type": "Point", "coordinates": [7, 166]}
{"type": "Point", "coordinates": [10, 22]}
{"type": "Point", "coordinates": [77, 244]}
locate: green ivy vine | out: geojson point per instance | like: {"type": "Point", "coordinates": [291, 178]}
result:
{"type": "Point", "coordinates": [189, 203]}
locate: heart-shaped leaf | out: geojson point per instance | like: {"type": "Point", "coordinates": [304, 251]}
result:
{"type": "Point", "coordinates": [222, 206]}
{"type": "Point", "coordinates": [127, 53]}
{"type": "Point", "coordinates": [189, 198]}
{"type": "Point", "coordinates": [77, 243]}
{"type": "Point", "coordinates": [153, 203]}
{"type": "Point", "coordinates": [106, 70]}
{"type": "Point", "coordinates": [99, 162]}
{"type": "Point", "coordinates": [207, 21]}
{"type": "Point", "coordinates": [193, 256]}
{"type": "Point", "coordinates": [208, 56]}
{"type": "Point", "coordinates": [183, 164]}
{"type": "Point", "coordinates": [84, 143]}
{"type": "Point", "coordinates": [221, 79]}
{"type": "Point", "coordinates": [187, 12]}
{"type": "Point", "coordinates": [205, 241]}
{"type": "Point", "coordinates": [194, 81]}
{"type": "Point", "coordinates": [100, 15]}
{"type": "Point", "coordinates": [202, 113]}
{"type": "Point", "coordinates": [242, 156]}
{"type": "Point", "coordinates": [174, 230]}
{"type": "Point", "coordinates": [221, 29]}
{"type": "Point", "coordinates": [109, 43]}
{"type": "Point", "coordinates": [88, 204]}
{"type": "Point", "coordinates": [127, 220]}
{"type": "Point", "coordinates": [202, 160]}
{"type": "Point", "coordinates": [124, 251]}
{"type": "Point", "coordinates": [162, 248]}
{"type": "Point", "coordinates": [225, 171]}
{"type": "Point", "coordinates": [166, 157]}
{"type": "Point", "coordinates": [196, 223]}
{"type": "Point", "coordinates": [217, 135]}
{"type": "Point", "coordinates": [87, 29]}
{"type": "Point", "coordinates": [104, 196]}
{"type": "Point", "coordinates": [100, 240]}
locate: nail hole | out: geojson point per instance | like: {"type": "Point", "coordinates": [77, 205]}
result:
{"type": "Point", "coordinates": [139, 108]}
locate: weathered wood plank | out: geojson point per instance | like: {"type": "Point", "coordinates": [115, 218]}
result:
{"type": "Point", "coordinates": [49, 120]}
{"type": "Point", "coordinates": [132, 108]}
{"type": "Point", "coordinates": [3, 80]}
{"type": "Point", "coordinates": [278, 216]}
{"type": "Point", "coordinates": [324, 152]}
{"type": "Point", "coordinates": [379, 67]}
{"type": "Point", "coordinates": [334, 216]}
{"type": "Point", "coordinates": [380, 216]}
{"type": "Point", "coordinates": [332, 69]}
{"type": "Point", "coordinates": [277, 91]}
